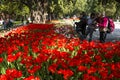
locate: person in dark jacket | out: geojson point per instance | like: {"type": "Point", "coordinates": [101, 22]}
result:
{"type": "Point", "coordinates": [81, 26]}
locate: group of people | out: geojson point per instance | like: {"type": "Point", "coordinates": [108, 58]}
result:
{"type": "Point", "coordinates": [7, 23]}
{"type": "Point", "coordinates": [86, 26]}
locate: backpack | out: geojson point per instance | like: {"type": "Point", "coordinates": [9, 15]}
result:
{"type": "Point", "coordinates": [111, 26]}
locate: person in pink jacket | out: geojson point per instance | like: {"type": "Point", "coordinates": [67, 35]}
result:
{"type": "Point", "coordinates": [102, 25]}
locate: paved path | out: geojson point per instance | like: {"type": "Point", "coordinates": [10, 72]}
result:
{"type": "Point", "coordinates": [114, 36]}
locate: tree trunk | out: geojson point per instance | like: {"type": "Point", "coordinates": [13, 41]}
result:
{"type": "Point", "coordinates": [38, 10]}
{"type": "Point", "coordinates": [39, 14]}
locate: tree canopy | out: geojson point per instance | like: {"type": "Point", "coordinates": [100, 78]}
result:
{"type": "Point", "coordinates": [39, 10]}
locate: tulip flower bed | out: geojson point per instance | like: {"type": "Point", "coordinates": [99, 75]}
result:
{"type": "Point", "coordinates": [43, 52]}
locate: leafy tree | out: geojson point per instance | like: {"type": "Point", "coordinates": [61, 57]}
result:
{"type": "Point", "coordinates": [60, 8]}
{"type": "Point", "coordinates": [110, 9]}
{"type": "Point", "coordinates": [51, 9]}
{"type": "Point", "coordinates": [13, 9]}
{"type": "Point", "coordinates": [117, 13]}
{"type": "Point", "coordinates": [99, 8]}
{"type": "Point", "coordinates": [79, 6]}
{"type": "Point", "coordinates": [107, 6]}
{"type": "Point", "coordinates": [39, 9]}
{"type": "Point", "coordinates": [93, 6]}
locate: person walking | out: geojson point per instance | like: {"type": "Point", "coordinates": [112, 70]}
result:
{"type": "Point", "coordinates": [81, 26]}
{"type": "Point", "coordinates": [5, 22]}
{"type": "Point", "coordinates": [102, 24]}
{"type": "Point", "coordinates": [91, 26]}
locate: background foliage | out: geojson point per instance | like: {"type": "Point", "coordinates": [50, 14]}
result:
{"type": "Point", "coordinates": [60, 8]}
